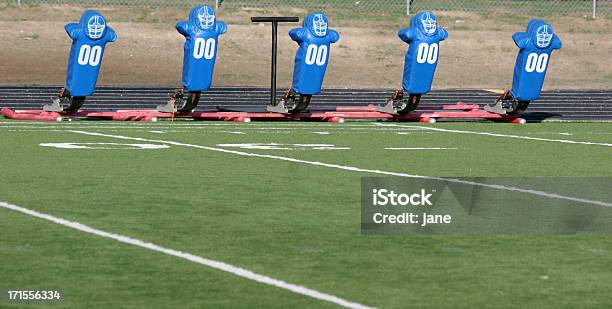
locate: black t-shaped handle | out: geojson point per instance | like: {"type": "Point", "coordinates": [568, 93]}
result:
{"type": "Point", "coordinates": [274, 20]}
{"type": "Point", "coordinates": [281, 19]}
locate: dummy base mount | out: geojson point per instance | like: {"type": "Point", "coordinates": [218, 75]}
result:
{"type": "Point", "coordinates": [291, 103]}
{"type": "Point", "coordinates": [187, 103]}
{"type": "Point", "coordinates": [507, 104]}
{"type": "Point", "coordinates": [400, 103]}
{"type": "Point", "coordinates": [64, 102]}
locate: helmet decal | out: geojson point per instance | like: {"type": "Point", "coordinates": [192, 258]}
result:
{"type": "Point", "coordinates": [319, 24]}
{"type": "Point", "coordinates": [544, 35]}
{"type": "Point", "coordinates": [95, 27]}
{"type": "Point", "coordinates": [206, 17]}
{"type": "Point", "coordinates": [430, 25]}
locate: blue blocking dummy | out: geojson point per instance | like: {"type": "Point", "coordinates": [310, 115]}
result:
{"type": "Point", "coordinates": [201, 32]}
{"type": "Point", "coordinates": [536, 45]}
{"type": "Point", "coordinates": [424, 37]}
{"type": "Point", "coordinates": [314, 39]}
{"type": "Point", "coordinates": [89, 37]}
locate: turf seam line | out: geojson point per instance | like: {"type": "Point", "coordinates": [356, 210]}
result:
{"type": "Point", "coordinates": [241, 272]}
{"type": "Point", "coordinates": [357, 169]}
{"type": "Point", "coordinates": [497, 135]}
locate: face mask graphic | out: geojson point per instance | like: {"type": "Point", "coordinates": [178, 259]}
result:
{"type": "Point", "coordinates": [95, 27]}
{"type": "Point", "coordinates": [319, 25]}
{"type": "Point", "coordinates": [206, 16]}
{"type": "Point", "coordinates": [429, 23]}
{"type": "Point", "coordinates": [544, 35]}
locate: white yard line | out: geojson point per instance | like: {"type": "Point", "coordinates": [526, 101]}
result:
{"type": "Point", "coordinates": [241, 272]}
{"type": "Point", "coordinates": [357, 169]}
{"type": "Point", "coordinates": [497, 135]}
{"type": "Point", "coordinates": [420, 148]}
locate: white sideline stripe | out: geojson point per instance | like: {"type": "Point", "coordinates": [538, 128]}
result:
{"type": "Point", "coordinates": [197, 131]}
{"type": "Point", "coordinates": [357, 169]}
{"type": "Point", "coordinates": [241, 272]}
{"type": "Point", "coordinates": [339, 128]}
{"type": "Point", "coordinates": [498, 135]}
{"type": "Point", "coordinates": [174, 124]}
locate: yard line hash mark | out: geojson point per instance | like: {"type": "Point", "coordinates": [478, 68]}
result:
{"type": "Point", "coordinates": [241, 272]}
{"type": "Point", "coordinates": [357, 169]}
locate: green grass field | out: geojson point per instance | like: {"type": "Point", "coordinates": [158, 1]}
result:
{"type": "Point", "coordinates": [290, 214]}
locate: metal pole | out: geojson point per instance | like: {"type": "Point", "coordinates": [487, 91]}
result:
{"type": "Point", "coordinates": [216, 5]}
{"type": "Point", "coordinates": [19, 2]}
{"type": "Point", "coordinates": [408, 7]}
{"type": "Point", "coordinates": [594, 9]}
{"type": "Point", "coordinates": [274, 49]}
{"type": "Point", "coordinates": [274, 21]}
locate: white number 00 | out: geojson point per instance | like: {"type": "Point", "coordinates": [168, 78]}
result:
{"type": "Point", "coordinates": [90, 55]}
{"type": "Point", "coordinates": [427, 53]}
{"type": "Point", "coordinates": [536, 63]}
{"type": "Point", "coordinates": [316, 54]}
{"type": "Point", "coordinates": [204, 48]}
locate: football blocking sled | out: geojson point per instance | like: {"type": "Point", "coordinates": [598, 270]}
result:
{"type": "Point", "coordinates": [201, 33]}
{"type": "Point", "coordinates": [424, 37]}
{"type": "Point", "coordinates": [536, 46]}
{"type": "Point", "coordinates": [314, 38]}
{"type": "Point", "coordinates": [89, 37]}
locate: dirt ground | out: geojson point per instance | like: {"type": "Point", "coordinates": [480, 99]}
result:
{"type": "Point", "coordinates": [478, 54]}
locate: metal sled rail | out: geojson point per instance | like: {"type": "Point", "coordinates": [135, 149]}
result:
{"type": "Point", "coordinates": [459, 111]}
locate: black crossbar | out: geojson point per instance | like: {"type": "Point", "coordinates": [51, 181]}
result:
{"type": "Point", "coordinates": [280, 19]}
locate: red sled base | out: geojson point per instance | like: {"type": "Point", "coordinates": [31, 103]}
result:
{"type": "Point", "coordinates": [459, 111]}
